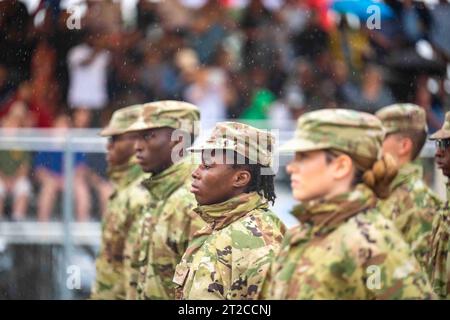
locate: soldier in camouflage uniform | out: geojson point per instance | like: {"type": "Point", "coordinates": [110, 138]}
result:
{"type": "Point", "coordinates": [439, 258]}
{"type": "Point", "coordinates": [343, 248]}
{"type": "Point", "coordinates": [164, 129]}
{"type": "Point", "coordinates": [113, 270]}
{"type": "Point", "coordinates": [412, 204]}
{"type": "Point", "coordinates": [229, 258]}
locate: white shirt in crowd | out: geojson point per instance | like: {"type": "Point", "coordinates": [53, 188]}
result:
{"type": "Point", "coordinates": [88, 83]}
{"type": "Point", "coordinates": [209, 96]}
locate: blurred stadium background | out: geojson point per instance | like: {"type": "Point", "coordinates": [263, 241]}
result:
{"type": "Point", "coordinates": [262, 62]}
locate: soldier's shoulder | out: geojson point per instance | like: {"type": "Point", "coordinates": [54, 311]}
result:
{"type": "Point", "coordinates": [182, 196]}
{"type": "Point", "coordinates": [137, 193]}
{"type": "Point", "coordinates": [257, 229]}
{"type": "Point", "coordinates": [181, 203]}
{"type": "Point", "coordinates": [370, 229]}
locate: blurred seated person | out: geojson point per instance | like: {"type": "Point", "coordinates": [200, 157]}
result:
{"type": "Point", "coordinates": [49, 172]}
{"type": "Point", "coordinates": [95, 162]}
{"type": "Point", "coordinates": [373, 92]}
{"type": "Point", "coordinates": [289, 108]}
{"type": "Point", "coordinates": [40, 114]}
{"type": "Point", "coordinates": [15, 167]}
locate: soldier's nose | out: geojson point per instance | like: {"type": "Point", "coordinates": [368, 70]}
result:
{"type": "Point", "coordinates": [137, 147]}
{"type": "Point", "coordinates": [195, 174]}
{"type": "Point", "coordinates": [289, 168]}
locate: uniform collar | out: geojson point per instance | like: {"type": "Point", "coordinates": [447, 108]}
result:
{"type": "Point", "coordinates": [408, 172]}
{"type": "Point", "coordinates": [122, 176]}
{"type": "Point", "coordinates": [319, 217]}
{"type": "Point", "coordinates": [163, 184]}
{"type": "Point", "coordinates": [220, 215]}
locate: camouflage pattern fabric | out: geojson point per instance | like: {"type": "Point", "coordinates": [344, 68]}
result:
{"type": "Point", "coordinates": [252, 143]}
{"type": "Point", "coordinates": [412, 206]}
{"type": "Point", "coordinates": [136, 204]}
{"type": "Point", "coordinates": [168, 113]}
{"type": "Point", "coordinates": [356, 133]}
{"type": "Point", "coordinates": [345, 249]}
{"type": "Point", "coordinates": [444, 131]}
{"type": "Point", "coordinates": [111, 269]}
{"type": "Point", "coordinates": [165, 231]}
{"type": "Point", "coordinates": [230, 257]}
{"type": "Point", "coordinates": [402, 117]}
{"type": "Point", "coordinates": [121, 119]}
{"type": "Point", "coordinates": [439, 258]}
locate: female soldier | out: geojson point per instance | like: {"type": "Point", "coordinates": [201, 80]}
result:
{"type": "Point", "coordinates": [229, 258]}
{"type": "Point", "coordinates": [343, 248]}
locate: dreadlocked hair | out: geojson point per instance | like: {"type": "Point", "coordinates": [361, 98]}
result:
{"type": "Point", "coordinates": [263, 184]}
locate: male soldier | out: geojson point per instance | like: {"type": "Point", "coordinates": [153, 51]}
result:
{"type": "Point", "coordinates": [127, 200]}
{"type": "Point", "coordinates": [439, 258]}
{"type": "Point", "coordinates": [412, 204]}
{"type": "Point", "coordinates": [163, 131]}
{"type": "Point", "coordinates": [229, 258]}
{"type": "Point", "coordinates": [344, 248]}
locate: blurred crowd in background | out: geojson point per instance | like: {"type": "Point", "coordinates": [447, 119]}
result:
{"type": "Point", "coordinates": [251, 60]}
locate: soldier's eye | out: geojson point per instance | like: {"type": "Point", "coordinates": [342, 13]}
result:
{"type": "Point", "coordinates": [148, 135]}
{"type": "Point", "coordinates": [112, 139]}
{"type": "Point", "coordinates": [443, 144]}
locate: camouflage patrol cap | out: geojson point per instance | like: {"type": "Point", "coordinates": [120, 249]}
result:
{"type": "Point", "coordinates": [403, 116]}
{"type": "Point", "coordinates": [358, 134]}
{"type": "Point", "coordinates": [120, 120]}
{"type": "Point", "coordinates": [250, 142]}
{"type": "Point", "coordinates": [168, 113]}
{"type": "Point", "coordinates": [444, 132]}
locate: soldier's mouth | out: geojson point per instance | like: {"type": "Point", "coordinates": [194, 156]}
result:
{"type": "Point", "coordinates": [294, 183]}
{"type": "Point", "coordinates": [194, 188]}
{"type": "Point", "coordinates": [440, 163]}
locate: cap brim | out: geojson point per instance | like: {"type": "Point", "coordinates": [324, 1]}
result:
{"type": "Point", "coordinates": [208, 146]}
{"type": "Point", "coordinates": [440, 134]}
{"type": "Point", "coordinates": [301, 145]}
{"type": "Point", "coordinates": [107, 132]}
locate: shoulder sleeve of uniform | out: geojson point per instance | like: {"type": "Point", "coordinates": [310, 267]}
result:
{"type": "Point", "coordinates": [389, 267]}
{"type": "Point", "coordinates": [183, 221]}
{"type": "Point", "coordinates": [438, 260]}
{"type": "Point", "coordinates": [255, 242]}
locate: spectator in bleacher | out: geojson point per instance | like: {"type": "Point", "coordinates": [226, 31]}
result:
{"type": "Point", "coordinates": [15, 168]}
{"type": "Point", "coordinates": [88, 63]}
{"type": "Point", "coordinates": [95, 163]}
{"type": "Point", "coordinates": [261, 96]}
{"type": "Point", "coordinates": [288, 109]}
{"type": "Point", "coordinates": [49, 172]}
{"type": "Point", "coordinates": [208, 91]}
{"type": "Point", "coordinates": [373, 93]}
{"type": "Point", "coordinates": [6, 90]}
{"type": "Point", "coordinates": [433, 107]}
{"type": "Point", "coordinates": [16, 42]}
{"type": "Point", "coordinates": [207, 32]}
{"type": "Point", "coordinates": [439, 29]}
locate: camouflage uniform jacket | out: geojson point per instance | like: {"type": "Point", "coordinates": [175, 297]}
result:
{"type": "Point", "coordinates": [439, 258]}
{"type": "Point", "coordinates": [110, 280]}
{"type": "Point", "coordinates": [412, 206]}
{"type": "Point", "coordinates": [345, 249]}
{"type": "Point", "coordinates": [135, 206]}
{"type": "Point", "coordinates": [229, 258]}
{"type": "Point", "coordinates": [165, 230]}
